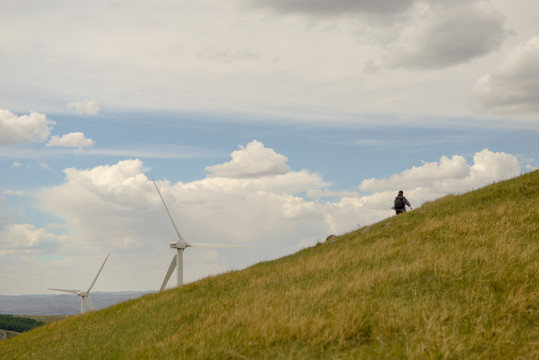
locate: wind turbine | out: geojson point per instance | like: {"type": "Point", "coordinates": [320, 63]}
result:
{"type": "Point", "coordinates": [85, 295]}
{"type": "Point", "coordinates": [180, 245]}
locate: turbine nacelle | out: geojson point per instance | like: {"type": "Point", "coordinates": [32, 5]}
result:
{"type": "Point", "coordinates": [179, 245]}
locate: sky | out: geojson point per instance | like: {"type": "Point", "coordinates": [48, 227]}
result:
{"type": "Point", "coordinates": [271, 124]}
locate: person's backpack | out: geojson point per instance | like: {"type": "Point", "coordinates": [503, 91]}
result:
{"type": "Point", "coordinates": [399, 203]}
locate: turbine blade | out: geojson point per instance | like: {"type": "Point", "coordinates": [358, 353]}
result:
{"type": "Point", "coordinates": [205, 245]}
{"type": "Point", "coordinates": [89, 302]}
{"type": "Point", "coordinates": [99, 272]}
{"type": "Point", "coordinates": [171, 268]}
{"type": "Point", "coordinates": [74, 291]}
{"type": "Point", "coordinates": [168, 212]}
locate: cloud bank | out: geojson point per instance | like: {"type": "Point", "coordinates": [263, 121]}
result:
{"type": "Point", "coordinates": [512, 88]}
{"type": "Point", "coordinates": [415, 34]}
{"type": "Point", "coordinates": [449, 175]}
{"type": "Point", "coordinates": [305, 62]}
{"type": "Point", "coordinates": [442, 35]}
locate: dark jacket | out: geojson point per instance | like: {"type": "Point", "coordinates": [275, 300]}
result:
{"type": "Point", "coordinates": [405, 201]}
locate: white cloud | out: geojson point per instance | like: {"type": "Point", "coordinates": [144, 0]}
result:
{"type": "Point", "coordinates": [90, 107]}
{"type": "Point", "coordinates": [75, 139]}
{"type": "Point", "coordinates": [512, 88]}
{"type": "Point", "coordinates": [112, 184]}
{"type": "Point", "coordinates": [254, 160]}
{"type": "Point", "coordinates": [447, 168]}
{"type": "Point", "coordinates": [26, 236]}
{"type": "Point", "coordinates": [450, 175]}
{"type": "Point", "coordinates": [317, 193]}
{"type": "Point", "coordinates": [15, 130]}
{"type": "Point", "coordinates": [16, 164]}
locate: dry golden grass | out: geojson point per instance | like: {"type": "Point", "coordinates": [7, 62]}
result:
{"type": "Point", "coordinates": [454, 279]}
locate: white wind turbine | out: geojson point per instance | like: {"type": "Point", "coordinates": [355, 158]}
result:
{"type": "Point", "coordinates": [85, 295]}
{"type": "Point", "coordinates": [181, 245]}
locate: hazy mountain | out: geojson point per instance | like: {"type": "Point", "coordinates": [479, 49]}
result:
{"type": "Point", "coordinates": [62, 304]}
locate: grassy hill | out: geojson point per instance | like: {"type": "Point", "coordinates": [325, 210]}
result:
{"type": "Point", "coordinates": [454, 279]}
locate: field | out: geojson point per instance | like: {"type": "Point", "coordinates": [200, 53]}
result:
{"type": "Point", "coordinates": [454, 279]}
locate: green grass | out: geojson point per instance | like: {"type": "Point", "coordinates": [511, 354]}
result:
{"type": "Point", "coordinates": [454, 279]}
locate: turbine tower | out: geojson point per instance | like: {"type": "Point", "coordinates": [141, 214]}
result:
{"type": "Point", "coordinates": [85, 295]}
{"type": "Point", "coordinates": [180, 245]}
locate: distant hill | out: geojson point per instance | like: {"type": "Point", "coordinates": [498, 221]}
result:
{"type": "Point", "coordinates": [63, 304]}
{"type": "Point", "coordinates": [457, 278]}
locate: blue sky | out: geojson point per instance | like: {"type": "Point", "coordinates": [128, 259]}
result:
{"type": "Point", "coordinates": [272, 124]}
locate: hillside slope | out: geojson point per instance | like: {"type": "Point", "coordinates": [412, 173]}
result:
{"type": "Point", "coordinates": [454, 279]}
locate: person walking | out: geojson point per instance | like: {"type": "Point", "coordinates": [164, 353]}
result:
{"type": "Point", "coordinates": [400, 203]}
